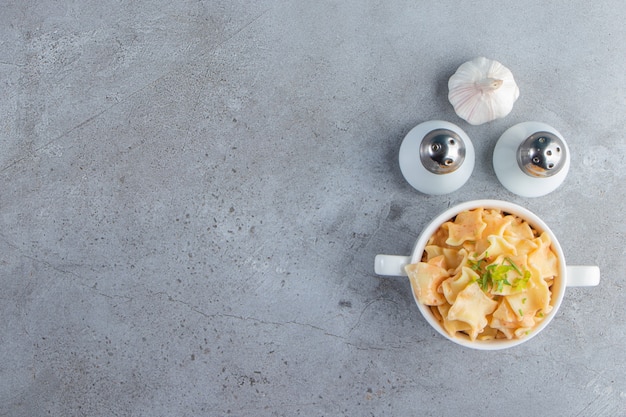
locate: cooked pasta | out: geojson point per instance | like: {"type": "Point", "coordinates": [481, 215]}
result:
{"type": "Point", "coordinates": [486, 274]}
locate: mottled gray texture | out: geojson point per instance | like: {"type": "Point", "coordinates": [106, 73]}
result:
{"type": "Point", "coordinates": [193, 193]}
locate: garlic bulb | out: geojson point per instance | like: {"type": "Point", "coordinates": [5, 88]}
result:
{"type": "Point", "coordinates": [482, 90]}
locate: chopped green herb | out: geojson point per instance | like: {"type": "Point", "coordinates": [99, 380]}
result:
{"type": "Point", "coordinates": [476, 265]}
{"type": "Point", "coordinates": [521, 313]}
{"type": "Point", "coordinates": [513, 265]}
{"type": "Point", "coordinates": [496, 276]}
{"type": "Point", "coordinates": [484, 283]}
{"type": "Point", "coordinates": [523, 300]}
{"type": "Point", "coordinates": [521, 283]}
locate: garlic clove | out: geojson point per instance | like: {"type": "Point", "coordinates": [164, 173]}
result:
{"type": "Point", "coordinates": [482, 90]}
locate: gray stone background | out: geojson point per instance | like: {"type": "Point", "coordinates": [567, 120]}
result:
{"type": "Point", "coordinates": [192, 194]}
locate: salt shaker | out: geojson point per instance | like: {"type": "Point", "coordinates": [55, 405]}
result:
{"type": "Point", "coordinates": [436, 157]}
{"type": "Point", "coordinates": [531, 159]}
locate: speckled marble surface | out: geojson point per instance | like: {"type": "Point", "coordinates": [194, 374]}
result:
{"type": "Point", "coordinates": [193, 194]}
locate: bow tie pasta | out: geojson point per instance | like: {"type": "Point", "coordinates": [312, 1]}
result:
{"type": "Point", "coordinates": [487, 275]}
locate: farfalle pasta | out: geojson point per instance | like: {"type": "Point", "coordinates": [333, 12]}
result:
{"type": "Point", "coordinates": [486, 274]}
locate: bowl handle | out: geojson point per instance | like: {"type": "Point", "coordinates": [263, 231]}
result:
{"type": "Point", "coordinates": [583, 276]}
{"type": "Point", "coordinates": [392, 265]}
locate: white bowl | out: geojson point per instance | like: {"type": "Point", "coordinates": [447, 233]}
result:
{"type": "Point", "coordinates": [569, 276]}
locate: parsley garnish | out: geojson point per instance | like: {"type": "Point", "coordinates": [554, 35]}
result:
{"type": "Point", "coordinates": [496, 276]}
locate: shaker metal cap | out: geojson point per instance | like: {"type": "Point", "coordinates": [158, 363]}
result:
{"type": "Point", "coordinates": [542, 154]}
{"type": "Point", "coordinates": [442, 151]}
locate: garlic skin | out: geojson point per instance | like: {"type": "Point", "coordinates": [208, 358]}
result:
{"type": "Point", "coordinates": [482, 90]}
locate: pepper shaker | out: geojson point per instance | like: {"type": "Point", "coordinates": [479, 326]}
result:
{"type": "Point", "coordinates": [531, 159]}
{"type": "Point", "coordinates": [436, 157]}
